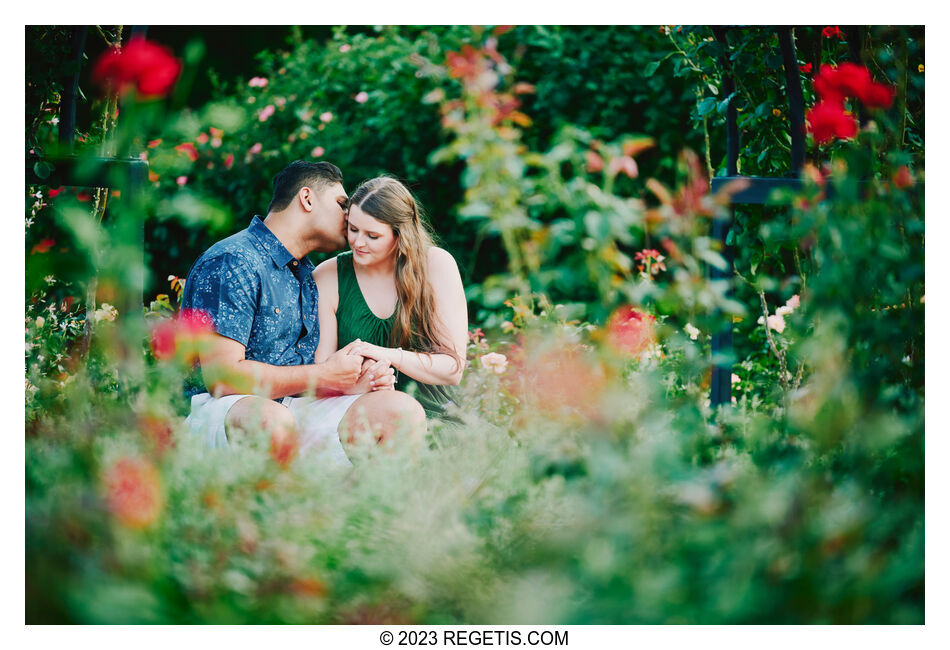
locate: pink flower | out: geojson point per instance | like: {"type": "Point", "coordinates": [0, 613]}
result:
{"type": "Point", "coordinates": [776, 322]}
{"type": "Point", "coordinates": [188, 149]}
{"type": "Point", "coordinates": [624, 164]}
{"type": "Point", "coordinates": [361, 97]}
{"type": "Point", "coordinates": [202, 138]}
{"type": "Point", "coordinates": [630, 330]}
{"type": "Point", "coordinates": [181, 180]}
{"type": "Point", "coordinates": [326, 117]}
{"type": "Point", "coordinates": [257, 82]}
{"type": "Point", "coordinates": [495, 362]}
{"type": "Point", "coordinates": [255, 148]}
{"type": "Point", "coordinates": [345, 47]}
{"type": "Point", "coordinates": [266, 112]}
{"type": "Point", "coordinates": [317, 152]}
{"type": "Point", "coordinates": [229, 161]}
{"type": "Point", "coordinates": [793, 302]}
{"type": "Point", "coordinates": [594, 162]}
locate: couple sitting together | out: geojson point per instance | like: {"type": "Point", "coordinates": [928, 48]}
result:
{"type": "Point", "coordinates": [370, 341]}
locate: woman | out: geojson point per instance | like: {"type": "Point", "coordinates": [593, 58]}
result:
{"type": "Point", "coordinates": [396, 293]}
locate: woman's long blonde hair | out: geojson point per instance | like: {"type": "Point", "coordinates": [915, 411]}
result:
{"type": "Point", "coordinates": [417, 326]}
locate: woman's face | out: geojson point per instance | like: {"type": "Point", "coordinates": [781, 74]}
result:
{"type": "Point", "coordinates": [371, 240]}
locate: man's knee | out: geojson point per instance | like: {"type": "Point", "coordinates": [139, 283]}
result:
{"type": "Point", "coordinates": [252, 414]}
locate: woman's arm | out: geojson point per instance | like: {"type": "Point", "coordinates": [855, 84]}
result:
{"type": "Point", "coordinates": [328, 297]}
{"type": "Point", "coordinates": [373, 376]}
{"type": "Point", "coordinates": [451, 318]}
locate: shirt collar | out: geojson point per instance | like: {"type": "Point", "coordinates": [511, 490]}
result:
{"type": "Point", "coordinates": [269, 241]}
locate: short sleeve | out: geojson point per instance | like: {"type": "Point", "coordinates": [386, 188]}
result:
{"type": "Point", "coordinates": [228, 290]}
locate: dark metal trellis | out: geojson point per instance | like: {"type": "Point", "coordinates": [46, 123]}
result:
{"type": "Point", "coordinates": [68, 169]}
{"type": "Point", "coordinates": [758, 190]}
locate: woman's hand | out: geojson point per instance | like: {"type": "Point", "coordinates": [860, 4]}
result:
{"type": "Point", "coordinates": [375, 352]}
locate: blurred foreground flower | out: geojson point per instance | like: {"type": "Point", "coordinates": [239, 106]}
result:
{"type": "Point", "coordinates": [631, 331]}
{"type": "Point", "coordinates": [284, 445]}
{"type": "Point", "coordinates": [495, 362]}
{"type": "Point", "coordinates": [105, 312]}
{"type": "Point", "coordinates": [182, 337]}
{"type": "Point", "coordinates": [133, 492]}
{"type": "Point", "coordinates": [141, 64]}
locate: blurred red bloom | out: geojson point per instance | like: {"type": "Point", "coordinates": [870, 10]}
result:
{"type": "Point", "coordinates": [827, 121]}
{"type": "Point", "coordinates": [133, 492]}
{"type": "Point", "coordinates": [54, 192]}
{"type": "Point", "coordinates": [44, 246]}
{"type": "Point", "coordinates": [560, 381]}
{"type": "Point", "coordinates": [188, 149]}
{"type": "Point", "coordinates": [630, 330]}
{"type": "Point", "coordinates": [805, 68]}
{"type": "Point", "coordinates": [229, 161]}
{"type": "Point", "coordinates": [158, 431]}
{"type": "Point", "coordinates": [183, 336]}
{"type": "Point", "coordinates": [148, 67]}
{"type": "Point", "coordinates": [902, 178]}
{"type": "Point", "coordinates": [467, 64]}
{"type": "Point", "coordinates": [835, 84]}
{"type": "Point", "coordinates": [284, 445]}
{"type": "Point", "coordinates": [163, 340]}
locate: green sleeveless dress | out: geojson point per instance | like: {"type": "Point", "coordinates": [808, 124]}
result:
{"type": "Point", "coordinates": [355, 320]}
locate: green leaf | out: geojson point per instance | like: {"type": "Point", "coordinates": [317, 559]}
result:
{"type": "Point", "coordinates": [42, 169]}
{"type": "Point", "coordinates": [706, 106]}
{"type": "Point", "coordinates": [651, 68]}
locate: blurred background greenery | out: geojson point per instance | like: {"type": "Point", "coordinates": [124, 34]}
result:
{"type": "Point", "coordinates": [566, 169]}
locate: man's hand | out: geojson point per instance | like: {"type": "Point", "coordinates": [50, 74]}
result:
{"type": "Point", "coordinates": [341, 370]}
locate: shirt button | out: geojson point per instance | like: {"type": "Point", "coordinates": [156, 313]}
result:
{"type": "Point", "coordinates": [276, 310]}
{"type": "Point", "coordinates": [294, 262]}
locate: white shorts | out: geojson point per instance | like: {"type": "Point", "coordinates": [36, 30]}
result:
{"type": "Point", "coordinates": [317, 421]}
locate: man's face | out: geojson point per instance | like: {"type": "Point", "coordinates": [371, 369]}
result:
{"type": "Point", "coordinates": [329, 217]}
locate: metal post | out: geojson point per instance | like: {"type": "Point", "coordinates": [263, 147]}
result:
{"type": "Point", "coordinates": [67, 114]}
{"type": "Point", "coordinates": [720, 391]}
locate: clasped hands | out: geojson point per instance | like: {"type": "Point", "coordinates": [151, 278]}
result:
{"type": "Point", "coordinates": [352, 373]}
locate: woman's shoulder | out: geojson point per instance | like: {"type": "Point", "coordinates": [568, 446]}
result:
{"type": "Point", "coordinates": [439, 258]}
{"type": "Point", "coordinates": [325, 271]}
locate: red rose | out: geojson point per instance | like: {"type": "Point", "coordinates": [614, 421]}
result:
{"type": "Point", "coordinates": [827, 121]}
{"type": "Point", "coordinates": [829, 32]}
{"type": "Point", "coordinates": [877, 95]}
{"type": "Point", "coordinates": [834, 84]}
{"type": "Point", "coordinates": [148, 67]}
{"type": "Point", "coordinates": [806, 69]}
{"type": "Point", "coordinates": [133, 492]}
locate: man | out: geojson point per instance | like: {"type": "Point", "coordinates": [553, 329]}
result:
{"type": "Point", "coordinates": [259, 370]}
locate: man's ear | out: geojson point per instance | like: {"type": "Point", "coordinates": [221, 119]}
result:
{"type": "Point", "coordinates": [306, 198]}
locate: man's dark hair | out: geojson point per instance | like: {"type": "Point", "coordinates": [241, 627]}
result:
{"type": "Point", "coordinates": [301, 173]}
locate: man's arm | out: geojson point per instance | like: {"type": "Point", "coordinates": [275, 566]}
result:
{"type": "Point", "coordinates": [227, 372]}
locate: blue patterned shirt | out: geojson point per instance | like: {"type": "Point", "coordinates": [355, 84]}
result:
{"type": "Point", "coordinates": [257, 294]}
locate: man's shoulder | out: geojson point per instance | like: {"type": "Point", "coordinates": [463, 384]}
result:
{"type": "Point", "coordinates": [241, 248]}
